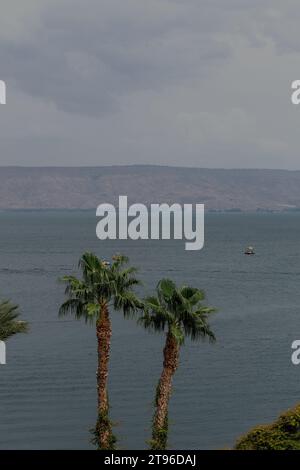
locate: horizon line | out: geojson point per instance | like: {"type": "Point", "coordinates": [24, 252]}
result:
{"type": "Point", "coordinates": [146, 165]}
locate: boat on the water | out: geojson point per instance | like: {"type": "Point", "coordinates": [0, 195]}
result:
{"type": "Point", "coordinates": [249, 250]}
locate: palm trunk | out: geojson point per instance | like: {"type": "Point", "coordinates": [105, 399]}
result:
{"type": "Point", "coordinates": [103, 433]}
{"type": "Point", "coordinates": [160, 420]}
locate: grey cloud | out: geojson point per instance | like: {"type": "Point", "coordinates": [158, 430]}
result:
{"type": "Point", "coordinates": [177, 82]}
{"type": "Point", "coordinates": [85, 55]}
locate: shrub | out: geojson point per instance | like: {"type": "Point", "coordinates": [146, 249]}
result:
{"type": "Point", "coordinates": [283, 434]}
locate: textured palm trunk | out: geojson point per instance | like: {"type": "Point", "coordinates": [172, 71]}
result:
{"type": "Point", "coordinates": [160, 420]}
{"type": "Point", "coordinates": [103, 429]}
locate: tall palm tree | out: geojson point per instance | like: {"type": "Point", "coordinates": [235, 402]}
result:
{"type": "Point", "coordinates": [180, 313]}
{"type": "Point", "coordinates": [9, 323]}
{"type": "Point", "coordinates": [102, 285]}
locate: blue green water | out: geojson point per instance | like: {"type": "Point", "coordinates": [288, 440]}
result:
{"type": "Point", "coordinates": [47, 388]}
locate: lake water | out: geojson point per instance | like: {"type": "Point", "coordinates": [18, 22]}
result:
{"type": "Point", "coordinates": [47, 388]}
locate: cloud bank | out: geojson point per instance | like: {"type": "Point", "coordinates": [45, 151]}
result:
{"type": "Point", "coordinates": [176, 82]}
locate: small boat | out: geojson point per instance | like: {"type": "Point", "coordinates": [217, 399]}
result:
{"type": "Point", "coordinates": [249, 250]}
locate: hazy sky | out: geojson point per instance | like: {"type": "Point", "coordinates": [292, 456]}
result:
{"type": "Point", "coordinates": [202, 83]}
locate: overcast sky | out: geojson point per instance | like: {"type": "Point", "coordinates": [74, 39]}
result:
{"type": "Point", "coordinates": [203, 83]}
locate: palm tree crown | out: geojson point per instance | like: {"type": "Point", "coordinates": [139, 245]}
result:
{"type": "Point", "coordinates": [179, 310]}
{"type": "Point", "coordinates": [101, 284]}
{"type": "Point", "coordinates": [9, 323]}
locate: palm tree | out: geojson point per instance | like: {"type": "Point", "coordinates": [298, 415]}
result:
{"type": "Point", "coordinates": [9, 323]}
{"type": "Point", "coordinates": [102, 285]}
{"type": "Point", "coordinates": [180, 313]}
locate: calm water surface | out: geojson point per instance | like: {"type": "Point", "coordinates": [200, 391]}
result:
{"type": "Point", "coordinates": [47, 389]}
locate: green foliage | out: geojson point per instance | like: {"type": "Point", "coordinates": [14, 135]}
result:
{"type": "Point", "coordinates": [9, 323]}
{"type": "Point", "coordinates": [283, 434]}
{"type": "Point", "coordinates": [179, 310]}
{"type": "Point", "coordinates": [101, 283]}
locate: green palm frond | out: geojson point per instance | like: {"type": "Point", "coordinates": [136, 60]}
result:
{"type": "Point", "coordinates": [74, 306]}
{"type": "Point", "coordinates": [9, 323]}
{"type": "Point", "coordinates": [165, 290]}
{"type": "Point", "coordinates": [192, 294]}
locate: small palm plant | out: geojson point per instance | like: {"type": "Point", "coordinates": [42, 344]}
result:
{"type": "Point", "coordinates": [180, 313]}
{"type": "Point", "coordinates": [102, 285]}
{"type": "Point", "coordinates": [9, 323]}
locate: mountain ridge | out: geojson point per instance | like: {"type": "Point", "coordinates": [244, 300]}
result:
{"type": "Point", "coordinates": [86, 187]}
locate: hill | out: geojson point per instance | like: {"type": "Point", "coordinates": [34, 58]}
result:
{"type": "Point", "coordinates": [87, 187]}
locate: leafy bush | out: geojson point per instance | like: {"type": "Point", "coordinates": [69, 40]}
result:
{"type": "Point", "coordinates": [283, 434]}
